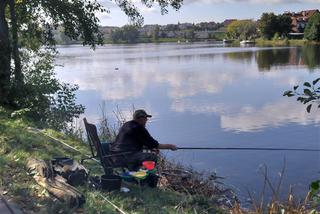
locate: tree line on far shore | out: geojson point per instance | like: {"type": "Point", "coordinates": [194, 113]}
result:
{"type": "Point", "coordinates": [269, 26]}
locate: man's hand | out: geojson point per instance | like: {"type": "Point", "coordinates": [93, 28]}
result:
{"type": "Point", "coordinates": [173, 147]}
{"type": "Point", "coordinates": [156, 151]}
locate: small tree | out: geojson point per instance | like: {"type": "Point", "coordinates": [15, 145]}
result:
{"type": "Point", "coordinates": [312, 30]}
{"type": "Point", "coordinates": [155, 34]}
{"type": "Point", "coordinates": [130, 33]}
{"type": "Point", "coordinates": [242, 29]}
{"type": "Point", "coordinates": [116, 35]}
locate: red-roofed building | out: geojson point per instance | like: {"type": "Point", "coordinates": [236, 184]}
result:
{"type": "Point", "coordinates": [300, 19]}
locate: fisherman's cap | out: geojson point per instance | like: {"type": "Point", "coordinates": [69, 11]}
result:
{"type": "Point", "coordinates": [140, 113]}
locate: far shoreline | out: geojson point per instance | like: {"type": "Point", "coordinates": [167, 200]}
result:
{"type": "Point", "coordinates": [258, 42]}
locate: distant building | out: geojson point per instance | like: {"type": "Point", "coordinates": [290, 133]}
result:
{"type": "Point", "coordinates": [207, 26]}
{"type": "Point", "coordinates": [106, 30]}
{"type": "Point", "coordinates": [300, 20]}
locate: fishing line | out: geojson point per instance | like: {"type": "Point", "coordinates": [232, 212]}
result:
{"type": "Point", "coordinates": [250, 148]}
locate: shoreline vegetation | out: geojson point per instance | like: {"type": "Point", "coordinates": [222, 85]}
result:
{"type": "Point", "coordinates": [257, 42]}
{"type": "Point", "coordinates": [181, 189]}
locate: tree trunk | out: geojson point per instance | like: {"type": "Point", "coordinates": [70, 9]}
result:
{"type": "Point", "coordinates": [5, 55]}
{"type": "Point", "coordinates": [15, 51]}
{"type": "Point", "coordinates": [17, 90]}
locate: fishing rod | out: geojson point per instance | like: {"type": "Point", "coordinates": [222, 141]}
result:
{"type": "Point", "coordinates": [249, 148]}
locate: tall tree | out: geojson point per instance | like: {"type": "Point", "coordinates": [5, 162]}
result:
{"type": "Point", "coordinates": [283, 25]}
{"type": "Point", "coordinates": [268, 25]}
{"type": "Point", "coordinates": [34, 21]}
{"type": "Point", "coordinates": [29, 24]}
{"type": "Point", "coordinates": [5, 55]}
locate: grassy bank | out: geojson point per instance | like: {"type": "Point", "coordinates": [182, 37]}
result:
{"type": "Point", "coordinates": [285, 42]}
{"type": "Point", "coordinates": [176, 194]}
{"type": "Point", "coordinates": [19, 142]}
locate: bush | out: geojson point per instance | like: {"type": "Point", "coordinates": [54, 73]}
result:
{"type": "Point", "coordinates": [50, 102]}
{"type": "Point", "coordinates": [276, 37]}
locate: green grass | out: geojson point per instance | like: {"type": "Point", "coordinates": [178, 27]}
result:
{"type": "Point", "coordinates": [18, 142]}
{"type": "Point", "coordinates": [284, 42]}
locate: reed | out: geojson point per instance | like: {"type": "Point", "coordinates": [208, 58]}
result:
{"type": "Point", "coordinates": [290, 205]}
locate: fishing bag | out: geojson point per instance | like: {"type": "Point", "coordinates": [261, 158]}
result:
{"type": "Point", "coordinates": [44, 174]}
{"type": "Point", "coordinates": [74, 173]}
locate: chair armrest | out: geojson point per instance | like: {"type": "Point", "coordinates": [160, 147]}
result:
{"type": "Point", "coordinates": [117, 154]}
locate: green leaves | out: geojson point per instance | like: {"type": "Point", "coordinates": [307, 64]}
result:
{"type": "Point", "coordinates": [309, 108]}
{"type": "Point", "coordinates": [133, 13]}
{"type": "Point", "coordinates": [307, 84]}
{"type": "Point", "coordinates": [315, 187]}
{"type": "Point", "coordinates": [307, 92]}
{"type": "Point", "coordinates": [288, 93]}
{"type": "Point", "coordinates": [315, 81]}
{"type": "Point", "coordinates": [311, 94]}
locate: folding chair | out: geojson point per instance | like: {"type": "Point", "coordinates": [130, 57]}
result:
{"type": "Point", "coordinates": [101, 151]}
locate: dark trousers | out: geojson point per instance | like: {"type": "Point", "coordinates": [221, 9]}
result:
{"type": "Point", "coordinates": [134, 161]}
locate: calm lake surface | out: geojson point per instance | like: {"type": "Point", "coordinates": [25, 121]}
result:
{"type": "Point", "coordinates": [207, 95]}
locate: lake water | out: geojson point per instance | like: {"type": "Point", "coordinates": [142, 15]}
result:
{"type": "Point", "coordinates": [208, 95]}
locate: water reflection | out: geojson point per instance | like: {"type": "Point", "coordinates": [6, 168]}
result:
{"type": "Point", "coordinates": [274, 115]}
{"type": "Point", "coordinates": [269, 58]}
{"type": "Point", "coordinates": [311, 55]}
{"type": "Point", "coordinates": [209, 95]}
{"type": "Point", "coordinates": [246, 56]}
{"type": "Point", "coordinates": [251, 118]}
{"type": "Point", "coordinates": [218, 85]}
{"type": "Point", "coordinates": [119, 85]}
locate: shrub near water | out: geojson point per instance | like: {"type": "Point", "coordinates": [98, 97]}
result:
{"type": "Point", "coordinates": [45, 99]}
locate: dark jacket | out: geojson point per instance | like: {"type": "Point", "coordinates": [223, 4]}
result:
{"type": "Point", "coordinates": [132, 137]}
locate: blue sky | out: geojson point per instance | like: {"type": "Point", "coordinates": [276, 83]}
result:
{"type": "Point", "coordinates": [195, 11]}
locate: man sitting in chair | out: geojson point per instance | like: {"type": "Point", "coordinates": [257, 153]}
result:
{"type": "Point", "coordinates": [134, 137]}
